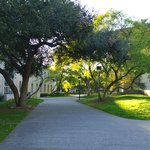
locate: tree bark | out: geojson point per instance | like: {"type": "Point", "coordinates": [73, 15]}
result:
{"type": "Point", "coordinates": [11, 85]}
{"type": "Point", "coordinates": [118, 79]}
{"type": "Point", "coordinates": [96, 86]}
{"type": "Point", "coordinates": [41, 83]}
{"type": "Point", "coordinates": [108, 87]}
{"type": "Point", "coordinates": [60, 82]}
{"type": "Point", "coordinates": [25, 81]}
{"type": "Point", "coordinates": [129, 86]}
{"type": "Point", "coordinates": [88, 86]}
{"type": "Point", "coordinates": [23, 92]}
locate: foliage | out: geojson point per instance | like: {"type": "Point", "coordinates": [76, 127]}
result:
{"type": "Point", "coordinates": [10, 117]}
{"type": "Point", "coordinates": [133, 92]}
{"type": "Point", "coordinates": [44, 94]}
{"type": "Point", "coordinates": [30, 30]}
{"type": "Point", "coordinates": [135, 32]}
{"type": "Point", "coordinates": [1, 97]}
{"type": "Point", "coordinates": [140, 47]}
{"type": "Point", "coordinates": [66, 86]}
{"type": "Point", "coordinates": [58, 94]}
{"type": "Point", "coordinates": [111, 52]}
{"type": "Point", "coordinates": [59, 71]}
{"type": "Point", "coordinates": [110, 45]}
{"type": "Point", "coordinates": [66, 72]}
{"type": "Point", "coordinates": [133, 106]}
{"type": "Point", "coordinates": [54, 94]}
{"type": "Point", "coordinates": [112, 20]}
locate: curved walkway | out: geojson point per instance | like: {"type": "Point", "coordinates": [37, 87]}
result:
{"type": "Point", "coordinates": [64, 124]}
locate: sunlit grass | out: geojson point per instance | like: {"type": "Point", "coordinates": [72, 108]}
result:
{"type": "Point", "coordinates": [10, 117]}
{"type": "Point", "coordinates": [131, 106]}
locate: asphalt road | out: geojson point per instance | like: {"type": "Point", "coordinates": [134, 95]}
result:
{"type": "Point", "coordinates": [64, 124]}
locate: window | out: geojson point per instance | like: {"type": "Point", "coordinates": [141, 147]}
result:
{"type": "Point", "coordinates": [31, 87]}
{"type": "Point", "coordinates": [41, 89]}
{"type": "Point", "coordinates": [51, 88]}
{"type": "Point", "coordinates": [7, 89]}
{"type": "Point", "coordinates": [48, 88]}
{"type": "Point", "coordinates": [6, 84]}
{"type": "Point", "coordinates": [44, 88]}
{"type": "Point", "coordinates": [37, 86]}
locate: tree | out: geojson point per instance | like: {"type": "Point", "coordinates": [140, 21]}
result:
{"type": "Point", "coordinates": [140, 47]}
{"type": "Point", "coordinates": [68, 70]}
{"type": "Point", "coordinates": [111, 53]}
{"type": "Point", "coordinates": [79, 69]}
{"type": "Point", "coordinates": [122, 44]}
{"type": "Point", "coordinates": [111, 45]}
{"type": "Point", "coordinates": [57, 73]}
{"type": "Point", "coordinates": [30, 30]}
{"type": "Point", "coordinates": [108, 45]}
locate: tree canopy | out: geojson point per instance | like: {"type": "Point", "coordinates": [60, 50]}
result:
{"type": "Point", "coordinates": [31, 29]}
{"type": "Point", "coordinates": [113, 44]}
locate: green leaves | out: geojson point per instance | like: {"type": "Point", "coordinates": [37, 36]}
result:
{"type": "Point", "coordinates": [52, 23]}
{"type": "Point", "coordinates": [30, 30]}
{"type": "Point", "coordinates": [140, 47]}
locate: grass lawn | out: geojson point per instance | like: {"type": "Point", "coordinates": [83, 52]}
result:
{"type": "Point", "coordinates": [10, 117]}
{"type": "Point", "coordinates": [133, 106]}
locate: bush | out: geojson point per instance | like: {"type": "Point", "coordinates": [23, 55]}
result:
{"type": "Point", "coordinates": [58, 94]}
{"type": "Point", "coordinates": [1, 97]}
{"type": "Point", "coordinates": [134, 92]}
{"type": "Point", "coordinates": [44, 94]}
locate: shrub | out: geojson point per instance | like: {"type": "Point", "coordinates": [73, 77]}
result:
{"type": "Point", "coordinates": [55, 94]}
{"type": "Point", "coordinates": [1, 97]}
{"type": "Point", "coordinates": [58, 94]}
{"type": "Point", "coordinates": [44, 94]}
{"type": "Point", "coordinates": [134, 92]}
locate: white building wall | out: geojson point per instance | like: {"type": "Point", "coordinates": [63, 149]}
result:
{"type": "Point", "coordinates": [145, 78]}
{"type": "Point", "coordinates": [1, 85]}
{"type": "Point", "coordinates": [33, 84]}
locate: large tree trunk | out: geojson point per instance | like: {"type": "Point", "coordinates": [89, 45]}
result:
{"type": "Point", "coordinates": [59, 88]}
{"type": "Point", "coordinates": [99, 96]}
{"type": "Point", "coordinates": [96, 86]}
{"type": "Point", "coordinates": [107, 88]}
{"type": "Point", "coordinates": [87, 84]}
{"type": "Point", "coordinates": [23, 91]}
{"type": "Point", "coordinates": [24, 87]}
{"type": "Point", "coordinates": [88, 87]}
{"type": "Point", "coordinates": [11, 85]}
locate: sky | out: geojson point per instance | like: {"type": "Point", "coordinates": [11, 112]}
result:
{"type": "Point", "coordinates": [138, 9]}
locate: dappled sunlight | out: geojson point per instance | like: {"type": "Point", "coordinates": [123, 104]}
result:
{"type": "Point", "coordinates": [133, 106]}
{"type": "Point", "coordinates": [132, 97]}
{"type": "Point", "coordinates": [145, 51]}
{"type": "Point", "coordinates": [138, 107]}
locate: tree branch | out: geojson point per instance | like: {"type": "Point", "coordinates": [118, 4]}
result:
{"type": "Point", "coordinates": [11, 84]}
{"type": "Point", "coordinates": [42, 80]}
{"type": "Point", "coordinates": [120, 87]}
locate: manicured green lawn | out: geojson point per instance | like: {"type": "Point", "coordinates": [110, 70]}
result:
{"type": "Point", "coordinates": [10, 117]}
{"type": "Point", "coordinates": [133, 106]}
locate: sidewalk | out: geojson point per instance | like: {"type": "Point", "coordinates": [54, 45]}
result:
{"type": "Point", "coordinates": [64, 124]}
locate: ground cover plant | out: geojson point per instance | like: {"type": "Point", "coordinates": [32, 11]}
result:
{"type": "Point", "coordinates": [10, 116]}
{"type": "Point", "coordinates": [133, 106]}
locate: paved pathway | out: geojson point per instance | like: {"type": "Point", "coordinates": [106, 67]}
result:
{"type": "Point", "coordinates": [64, 124]}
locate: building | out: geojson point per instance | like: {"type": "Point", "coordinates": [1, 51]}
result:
{"type": "Point", "coordinates": [34, 82]}
{"type": "Point", "coordinates": [145, 78]}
